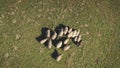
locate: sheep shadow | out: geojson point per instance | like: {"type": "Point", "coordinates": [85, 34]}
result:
{"type": "Point", "coordinates": [59, 27]}
{"type": "Point", "coordinates": [54, 54]}
{"type": "Point", "coordinates": [41, 37]}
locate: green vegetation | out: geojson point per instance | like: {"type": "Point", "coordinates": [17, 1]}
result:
{"type": "Point", "coordinates": [21, 22]}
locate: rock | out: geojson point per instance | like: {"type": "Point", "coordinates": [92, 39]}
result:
{"type": "Point", "coordinates": [18, 36]}
{"type": "Point", "coordinates": [6, 55]}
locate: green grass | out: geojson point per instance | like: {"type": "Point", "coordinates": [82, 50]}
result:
{"type": "Point", "coordinates": [101, 48]}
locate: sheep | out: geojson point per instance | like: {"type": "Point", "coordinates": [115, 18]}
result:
{"type": "Point", "coordinates": [58, 58]}
{"type": "Point", "coordinates": [70, 30]}
{"type": "Point", "coordinates": [70, 34]}
{"type": "Point", "coordinates": [49, 43]}
{"type": "Point", "coordinates": [74, 33]}
{"type": "Point", "coordinates": [79, 38]}
{"type": "Point", "coordinates": [54, 36]}
{"type": "Point", "coordinates": [65, 30]}
{"type": "Point", "coordinates": [43, 40]}
{"type": "Point", "coordinates": [48, 33]}
{"type": "Point", "coordinates": [66, 47]}
{"type": "Point", "coordinates": [66, 41]}
{"type": "Point", "coordinates": [59, 44]}
{"type": "Point", "coordinates": [78, 32]}
{"type": "Point", "coordinates": [75, 39]}
{"type": "Point", "coordinates": [61, 33]}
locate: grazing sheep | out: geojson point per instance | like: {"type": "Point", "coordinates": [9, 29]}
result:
{"type": "Point", "coordinates": [78, 32]}
{"type": "Point", "coordinates": [70, 30]}
{"type": "Point", "coordinates": [70, 35]}
{"type": "Point", "coordinates": [66, 47]}
{"type": "Point", "coordinates": [49, 43]}
{"type": "Point", "coordinates": [59, 44]}
{"type": "Point", "coordinates": [43, 40]}
{"type": "Point", "coordinates": [48, 33]}
{"type": "Point", "coordinates": [54, 35]}
{"type": "Point", "coordinates": [79, 38]}
{"type": "Point", "coordinates": [75, 39]}
{"type": "Point", "coordinates": [65, 30]}
{"type": "Point", "coordinates": [66, 41]}
{"type": "Point", "coordinates": [74, 33]}
{"type": "Point", "coordinates": [58, 58]}
{"type": "Point", "coordinates": [61, 33]}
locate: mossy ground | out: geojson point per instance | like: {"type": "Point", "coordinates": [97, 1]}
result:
{"type": "Point", "coordinates": [21, 22]}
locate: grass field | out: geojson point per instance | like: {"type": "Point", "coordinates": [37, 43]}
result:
{"type": "Point", "coordinates": [21, 22]}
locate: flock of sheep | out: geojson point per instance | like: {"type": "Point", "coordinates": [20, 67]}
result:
{"type": "Point", "coordinates": [60, 38]}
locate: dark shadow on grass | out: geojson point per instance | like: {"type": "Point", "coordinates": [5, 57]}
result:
{"type": "Point", "coordinates": [79, 43]}
{"type": "Point", "coordinates": [39, 38]}
{"type": "Point", "coordinates": [59, 27]}
{"type": "Point", "coordinates": [54, 54]}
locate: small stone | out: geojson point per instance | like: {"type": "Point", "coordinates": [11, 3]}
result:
{"type": "Point", "coordinates": [6, 55]}
{"type": "Point", "coordinates": [18, 36]}
{"type": "Point", "coordinates": [86, 25]}
{"type": "Point", "coordinates": [13, 21]}
{"type": "Point", "coordinates": [15, 48]}
{"type": "Point", "coordinates": [87, 33]}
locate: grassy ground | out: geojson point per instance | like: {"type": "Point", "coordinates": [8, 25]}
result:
{"type": "Point", "coordinates": [21, 22]}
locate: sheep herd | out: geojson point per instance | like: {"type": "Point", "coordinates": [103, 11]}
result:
{"type": "Point", "coordinates": [60, 38]}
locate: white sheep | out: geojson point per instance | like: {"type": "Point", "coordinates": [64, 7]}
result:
{"type": "Point", "coordinates": [78, 32]}
{"type": "Point", "coordinates": [70, 30]}
{"type": "Point", "coordinates": [75, 39]}
{"type": "Point", "coordinates": [66, 41]}
{"type": "Point", "coordinates": [66, 47]}
{"type": "Point", "coordinates": [58, 58]}
{"type": "Point", "coordinates": [79, 38]}
{"type": "Point", "coordinates": [49, 43]}
{"type": "Point", "coordinates": [61, 33]}
{"type": "Point", "coordinates": [74, 33]}
{"type": "Point", "coordinates": [59, 44]}
{"type": "Point", "coordinates": [48, 33]}
{"type": "Point", "coordinates": [65, 30]}
{"type": "Point", "coordinates": [70, 34]}
{"type": "Point", "coordinates": [54, 36]}
{"type": "Point", "coordinates": [43, 40]}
